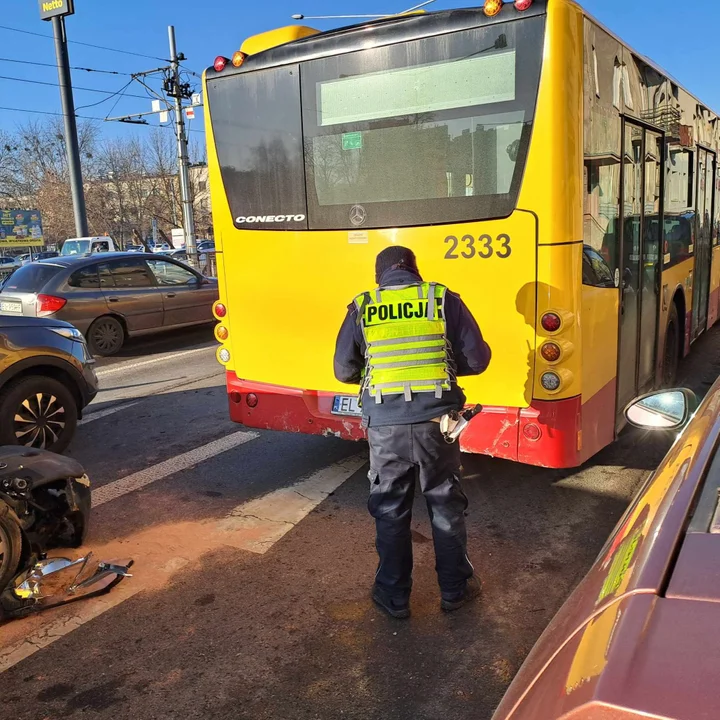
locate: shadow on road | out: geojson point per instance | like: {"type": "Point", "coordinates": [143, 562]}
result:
{"type": "Point", "coordinates": [171, 341]}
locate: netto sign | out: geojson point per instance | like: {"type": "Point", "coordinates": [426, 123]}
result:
{"type": "Point", "coordinates": [52, 8]}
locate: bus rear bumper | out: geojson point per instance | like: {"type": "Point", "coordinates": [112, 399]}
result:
{"type": "Point", "coordinates": [547, 434]}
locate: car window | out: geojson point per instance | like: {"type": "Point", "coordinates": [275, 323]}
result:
{"type": "Point", "coordinates": [106, 279]}
{"type": "Point", "coordinates": [86, 277]}
{"type": "Point", "coordinates": [31, 278]}
{"type": "Point", "coordinates": [130, 273]}
{"type": "Point", "coordinates": [168, 273]}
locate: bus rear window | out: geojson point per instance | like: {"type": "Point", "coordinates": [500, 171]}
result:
{"type": "Point", "coordinates": [427, 131]}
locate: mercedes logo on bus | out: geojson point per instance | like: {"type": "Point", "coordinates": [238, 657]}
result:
{"type": "Point", "coordinates": [358, 215]}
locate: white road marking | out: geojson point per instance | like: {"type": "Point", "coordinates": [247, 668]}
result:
{"type": "Point", "coordinates": [124, 367]}
{"type": "Point", "coordinates": [254, 526]}
{"type": "Point", "coordinates": [104, 413]}
{"type": "Point", "coordinates": [258, 524]}
{"type": "Point", "coordinates": [143, 478]}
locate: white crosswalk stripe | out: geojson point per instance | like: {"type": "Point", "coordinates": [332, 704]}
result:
{"type": "Point", "coordinates": [257, 525]}
{"type": "Point", "coordinates": [143, 478]}
{"type": "Point", "coordinates": [91, 417]}
{"type": "Point", "coordinates": [126, 367]}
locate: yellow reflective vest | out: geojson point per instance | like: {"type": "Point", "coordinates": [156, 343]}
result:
{"type": "Point", "coordinates": [406, 340]}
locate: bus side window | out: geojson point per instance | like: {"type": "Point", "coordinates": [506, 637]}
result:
{"type": "Point", "coordinates": [679, 204]}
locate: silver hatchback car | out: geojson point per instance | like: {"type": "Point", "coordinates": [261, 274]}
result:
{"type": "Point", "coordinates": [111, 296]}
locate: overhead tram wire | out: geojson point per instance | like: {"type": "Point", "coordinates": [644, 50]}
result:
{"type": "Point", "coordinates": [75, 87]}
{"type": "Point", "coordinates": [191, 72]}
{"type": "Point", "coordinates": [54, 66]}
{"type": "Point", "coordinates": [90, 45]}
{"type": "Point", "coordinates": [120, 94]}
{"type": "Point", "coordinates": [79, 117]}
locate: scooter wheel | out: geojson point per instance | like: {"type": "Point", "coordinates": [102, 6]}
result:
{"type": "Point", "coordinates": [10, 545]}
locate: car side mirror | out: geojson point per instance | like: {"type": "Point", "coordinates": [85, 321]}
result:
{"type": "Point", "coordinates": [662, 409]}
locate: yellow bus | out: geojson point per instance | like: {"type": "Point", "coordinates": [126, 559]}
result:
{"type": "Point", "coordinates": [564, 185]}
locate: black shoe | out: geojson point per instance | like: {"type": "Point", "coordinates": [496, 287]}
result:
{"type": "Point", "coordinates": [393, 606]}
{"type": "Point", "coordinates": [471, 591]}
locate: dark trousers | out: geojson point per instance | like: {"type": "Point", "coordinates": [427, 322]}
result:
{"type": "Point", "coordinates": [398, 455]}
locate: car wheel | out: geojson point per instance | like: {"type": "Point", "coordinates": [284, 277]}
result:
{"type": "Point", "coordinates": [106, 336]}
{"type": "Point", "coordinates": [39, 412]}
{"type": "Point", "coordinates": [671, 355]}
{"type": "Point", "coordinates": [10, 545]}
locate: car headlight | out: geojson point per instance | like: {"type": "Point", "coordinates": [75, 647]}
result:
{"type": "Point", "coordinates": [70, 333]}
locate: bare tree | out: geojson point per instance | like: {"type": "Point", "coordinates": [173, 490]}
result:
{"type": "Point", "coordinates": [129, 182]}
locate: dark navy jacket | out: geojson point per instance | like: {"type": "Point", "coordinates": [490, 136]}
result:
{"type": "Point", "coordinates": [470, 354]}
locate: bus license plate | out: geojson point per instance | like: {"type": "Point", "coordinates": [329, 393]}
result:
{"type": "Point", "coordinates": [10, 307]}
{"type": "Point", "coordinates": [346, 405]}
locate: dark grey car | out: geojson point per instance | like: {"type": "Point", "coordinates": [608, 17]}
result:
{"type": "Point", "coordinates": [47, 378]}
{"type": "Point", "coordinates": [111, 296]}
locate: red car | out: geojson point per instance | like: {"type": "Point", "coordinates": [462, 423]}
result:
{"type": "Point", "coordinates": [640, 636]}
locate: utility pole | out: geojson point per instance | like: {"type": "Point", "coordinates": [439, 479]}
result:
{"type": "Point", "coordinates": [56, 12]}
{"type": "Point", "coordinates": [175, 89]}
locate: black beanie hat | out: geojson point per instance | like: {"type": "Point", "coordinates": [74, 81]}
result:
{"type": "Point", "coordinates": [395, 257]}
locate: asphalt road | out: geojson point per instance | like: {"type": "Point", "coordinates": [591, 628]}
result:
{"type": "Point", "coordinates": [254, 556]}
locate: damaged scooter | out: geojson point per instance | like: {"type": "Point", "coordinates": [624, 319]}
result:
{"type": "Point", "coordinates": [44, 505]}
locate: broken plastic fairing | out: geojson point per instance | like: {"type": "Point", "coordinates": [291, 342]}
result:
{"type": "Point", "coordinates": [55, 581]}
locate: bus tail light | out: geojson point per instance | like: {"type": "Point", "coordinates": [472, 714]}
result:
{"type": "Point", "coordinates": [523, 4]}
{"type": "Point", "coordinates": [532, 432]}
{"type": "Point", "coordinates": [49, 304]}
{"type": "Point", "coordinates": [251, 399]}
{"type": "Point", "coordinates": [492, 7]}
{"type": "Point", "coordinates": [550, 381]}
{"type": "Point", "coordinates": [220, 63]}
{"type": "Point", "coordinates": [235, 397]}
{"type": "Point", "coordinates": [238, 58]}
{"type": "Point", "coordinates": [551, 322]}
{"type": "Point", "coordinates": [551, 352]}
{"type": "Point", "coordinates": [220, 310]}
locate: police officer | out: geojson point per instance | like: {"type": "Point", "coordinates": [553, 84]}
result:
{"type": "Point", "coordinates": [406, 342]}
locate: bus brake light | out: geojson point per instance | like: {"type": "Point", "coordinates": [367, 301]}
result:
{"type": "Point", "coordinates": [550, 322]}
{"type": "Point", "coordinates": [523, 4]}
{"type": "Point", "coordinates": [220, 63]}
{"type": "Point", "coordinates": [492, 7]}
{"type": "Point", "coordinates": [220, 310]}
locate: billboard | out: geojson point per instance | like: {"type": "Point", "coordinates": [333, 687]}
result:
{"type": "Point", "coordinates": [20, 228]}
{"type": "Point", "coordinates": [53, 8]}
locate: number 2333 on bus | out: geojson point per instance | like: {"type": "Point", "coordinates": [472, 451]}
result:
{"type": "Point", "coordinates": [484, 246]}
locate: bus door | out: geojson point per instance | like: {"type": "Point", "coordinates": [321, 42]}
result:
{"type": "Point", "coordinates": [703, 241]}
{"type": "Point", "coordinates": [642, 221]}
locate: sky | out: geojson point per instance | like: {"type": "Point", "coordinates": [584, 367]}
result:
{"type": "Point", "coordinates": [667, 31]}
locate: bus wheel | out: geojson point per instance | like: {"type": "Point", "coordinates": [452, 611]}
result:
{"type": "Point", "coordinates": [671, 356]}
